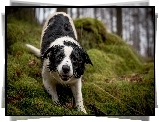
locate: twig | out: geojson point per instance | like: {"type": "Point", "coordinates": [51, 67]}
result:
{"type": "Point", "coordinates": [96, 109]}
{"type": "Point", "coordinates": [117, 99]}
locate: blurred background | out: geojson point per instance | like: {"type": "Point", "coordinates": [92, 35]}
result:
{"type": "Point", "coordinates": [136, 25]}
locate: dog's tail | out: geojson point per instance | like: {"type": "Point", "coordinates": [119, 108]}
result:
{"type": "Point", "coordinates": [34, 50]}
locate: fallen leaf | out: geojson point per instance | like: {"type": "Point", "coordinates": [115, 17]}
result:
{"type": "Point", "coordinates": [33, 63]}
{"type": "Point", "coordinates": [18, 54]}
{"type": "Point", "coordinates": [127, 79]}
{"type": "Point", "coordinates": [69, 105]}
{"type": "Point", "coordinates": [107, 80]}
{"type": "Point", "coordinates": [18, 73]}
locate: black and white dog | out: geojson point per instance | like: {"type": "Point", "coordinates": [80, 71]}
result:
{"type": "Point", "coordinates": [63, 59]}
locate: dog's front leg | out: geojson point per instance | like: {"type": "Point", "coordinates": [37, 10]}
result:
{"type": "Point", "coordinates": [51, 89]}
{"type": "Point", "coordinates": [77, 93]}
{"type": "Point", "coordinates": [50, 85]}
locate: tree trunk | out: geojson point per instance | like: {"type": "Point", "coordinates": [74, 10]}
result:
{"type": "Point", "coordinates": [62, 10]}
{"type": "Point", "coordinates": [130, 35]}
{"type": "Point", "coordinates": [147, 32]}
{"type": "Point", "coordinates": [153, 30]}
{"type": "Point", "coordinates": [78, 12]}
{"type": "Point", "coordinates": [119, 21]}
{"type": "Point", "coordinates": [71, 12]}
{"type": "Point", "coordinates": [26, 14]}
{"type": "Point", "coordinates": [95, 13]}
{"type": "Point", "coordinates": [136, 37]}
{"type": "Point", "coordinates": [111, 19]}
{"type": "Point", "coordinates": [138, 30]}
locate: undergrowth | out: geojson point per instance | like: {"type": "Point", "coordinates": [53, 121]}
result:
{"type": "Point", "coordinates": [119, 83]}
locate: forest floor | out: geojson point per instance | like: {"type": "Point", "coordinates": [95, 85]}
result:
{"type": "Point", "coordinates": [119, 83]}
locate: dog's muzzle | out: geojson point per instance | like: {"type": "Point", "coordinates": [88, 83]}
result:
{"type": "Point", "coordinates": [65, 77]}
{"type": "Point", "coordinates": [65, 69]}
{"type": "Point", "coordinates": [65, 73]}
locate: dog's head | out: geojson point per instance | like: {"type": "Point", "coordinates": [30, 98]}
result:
{"type": "Point", "coordinates": [67, 60]}
{"type": "Point", "coordinates": [60, 48]}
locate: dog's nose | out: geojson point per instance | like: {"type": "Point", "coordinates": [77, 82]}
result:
{"type": "Point", "coordinates": [65, 68]}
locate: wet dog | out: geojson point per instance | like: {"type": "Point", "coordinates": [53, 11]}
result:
{"type": "Point", "coordinates": [63, 59]}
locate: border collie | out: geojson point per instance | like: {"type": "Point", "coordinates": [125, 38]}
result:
{"type": "Point", "coordinates": [63, 59]}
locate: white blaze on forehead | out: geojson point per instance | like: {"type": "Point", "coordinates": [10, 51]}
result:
{"type": "Point", "coordinates": [66, 61]}
{"type": "Point", "coordinates": [60, 41]}
{"type": "Point", "coordinates": [51, 16]}
{"type": "Point", "coordinates": [68, 51]}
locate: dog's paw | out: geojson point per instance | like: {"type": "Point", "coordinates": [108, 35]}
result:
{"type": "Point", "coordinates": [81, 108]}
{"type": "Point", "coordinates": [56, 102]}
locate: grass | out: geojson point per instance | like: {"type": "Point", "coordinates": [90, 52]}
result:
{"type": "Point", "coordinates": [119, 83]}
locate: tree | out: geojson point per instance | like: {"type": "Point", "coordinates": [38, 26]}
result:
{"type": "Point", "coordinates": [61, 10]}
{"type": "Point", "coordinates": [95, 13]}
{"type": "Point", "coordinates": [147, 32]}
{"type": "Point", "coordinates": [78, 12]}
{"type": "Point", "coordinates": [152, 14]}
{"type": "Point", "coordinates": [119, 21]}
{"type": "Point", "coordinates": [138, 30]}
{"type": "Point", "coordinates": [26, 14]}
{"type": "Point", "coordinates": [111, 19]}
{"type": "Point", "coordinates": [150, 24]}
{"type": "Point", "coordinates": [71, 12]}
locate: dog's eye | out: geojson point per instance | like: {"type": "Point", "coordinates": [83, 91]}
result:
{"type": "Point", "coordinates": [74, 59]}
{"type": "Point", "coordinates": [60, 57]}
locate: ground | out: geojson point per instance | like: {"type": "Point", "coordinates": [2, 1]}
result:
{"type": "Point", "coordinates": [120, 82]}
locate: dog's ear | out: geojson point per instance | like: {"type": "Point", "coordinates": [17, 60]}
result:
{"type": "Point", "coordinates": [86, 58]}
{"type": "Point", "coordinates": [45, 55]}
{"type": "Point", "coordinates": [54, 49]}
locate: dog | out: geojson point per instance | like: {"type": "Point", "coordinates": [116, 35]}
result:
{"type": "Point", "coordinates": [63, 59]}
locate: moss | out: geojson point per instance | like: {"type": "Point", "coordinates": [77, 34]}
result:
{"type": "Point", "coordinates": [12, 36]}
{"type": "Point", "coordinates": [102, 64]}
{"type": "Point", "coordinates": [130, 57]}
{"type": "Point", "coordinates": [109, 65]}
{"type": "Point", "coordinates": [105, 92]}
{"type": "Point", "coordinates": [128, 98]}
{"type": "Point", "coordinates": [91, 32]}
{"type": "Point", "coordinates": [113, 39]}
{"type": "Point", "coordinates": [11, 109]}
{"type": "Point", "coordinates": [20, 31]}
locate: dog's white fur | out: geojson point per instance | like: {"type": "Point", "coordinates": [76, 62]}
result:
{"type": "Point", "coordinates": [66, 61]}
{"type": "Point", "coordinates": [34, 50]}
{"type": "Point", "coordinates": [50, 79]}
{"type": "Point", "coordinates": [61, 40]}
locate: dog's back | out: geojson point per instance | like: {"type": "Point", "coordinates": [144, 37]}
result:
{"type": "Point", "coordinates": [57, 25]}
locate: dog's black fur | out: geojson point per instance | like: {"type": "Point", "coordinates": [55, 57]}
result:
{"type": "Point", "coordinates": [58, 26]}
{"type": "Point", "coordinates": [78, 57]}
{"type": "Point", "coordinates": [63, 59]}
